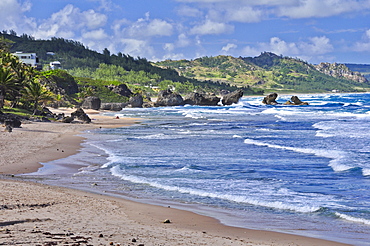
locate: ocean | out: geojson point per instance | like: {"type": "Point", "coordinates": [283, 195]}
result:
{"type": "Point", "coordinates": [302, 170]}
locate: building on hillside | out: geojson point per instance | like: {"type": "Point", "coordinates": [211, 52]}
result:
{"type": "Point", "coordinates": [55, 65]}
{"type": "Point", "coordinates": [29, 59]}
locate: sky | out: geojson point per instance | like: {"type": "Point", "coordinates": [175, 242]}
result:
{"type": "Point", "coordinates": [312, 30]}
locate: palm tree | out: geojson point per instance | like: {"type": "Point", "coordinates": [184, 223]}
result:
{"type": "Point", "coordinates": [7, 83]}
{"type": "Point", "coordinates": [35, 92]}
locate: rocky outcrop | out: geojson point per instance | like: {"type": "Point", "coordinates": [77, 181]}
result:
{"type": "Point", "coordinates": [10, 120]}
{"type": "Point", "coordinates": [81, 115]}
{"type": "Point", "coordinates": [294, 100]}
{"type": "Point", "coordinates": [91, 103]}
{"type": "Point", "coordinates": [121, 89]}
{"type": "Point", "coordinates": [232, 97]}
{"type": "Point", "coordinates": [340, 71]}
{"type": "Point", "coordinates": [136, 101]}
{"type": "Point", "coordinates": [202, 99]}
{"type": "Point", "coordinates": [113, 106]}
{"type": "Point", "coordinates": [169, 98]}
{"type": "Point", "coordinates": [270, 99]}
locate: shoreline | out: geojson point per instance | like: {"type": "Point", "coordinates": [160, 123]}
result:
{"type": "Point", "coordinates": [186, 228]}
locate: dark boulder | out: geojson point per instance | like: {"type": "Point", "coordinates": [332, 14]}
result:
{"type": "Point", "coordinates": [113, 106]}
{"type": "Point", "coordinates": [121, 89]}
{"type": "Point", "coordinates": [136, 101]}
{"type": "Point", "coordinates": [202, 99]}
{"type": "Point", "coordinates": [169, 98]}
{"type": "Point", "coordinates": [67, 119]}
{"type": "Point", "coordinates": [11, 120]}
{"type": "Point", "coordinates": [294, 100]}
{"type": "Point", "coordinates": [81, 115]}
{"type": "Point", "coordinates": [91, 103]}
{"type": "Point", "coordinates": [270, 99]}
{"type": "Point", "coordinates": [232, 97]}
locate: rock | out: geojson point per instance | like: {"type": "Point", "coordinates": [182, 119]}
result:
{"type": "Point", "coordinates": [169, 98]}
{"type": "Point", "coordinates": [294, 100]}
{"type": "Point", "coordinates": [136, 101]}
{"type": "Point", "coordinates": [270, 99]}
{"type": "Point", "coordinates": [91, 103]}
{"type": "Point", "coordinates": [232, 97]}
{"type": "Point", "coordinates": [167, 221]}
{"type": "Point", "coordinates": [113, 106]}
{"type": "Point", "coordinates": [121, 89]}
{"type": "Point", "coordinates": [148, 104]}
{"type": "Point", "coordinates": [10, 120]}
{"type": "Point", "coordinates": [81, 115]}
{"type": "Point", "coordinates": [202, 99]}
{"type": "Point", "coordinates": [8, 128]}
{"type": "Point", "coordinates": [67, 119]}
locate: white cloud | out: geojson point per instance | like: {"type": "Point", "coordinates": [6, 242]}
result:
{"type": "Point", "coordinates": [313, 47]}
{"type": "Point", "coordinates": [209, 27]}
{"type": "Point", "coordinates": [144, 28]}
{"type": "Point", "coordinates": [257, 10]}
{"type": "Point", "coordinates": [136, 47]}
{"type": "Point", "coordinates": [189, 11]}
{"type": "Point", "coordinates": [69, 22]}
{"type": "Point", "coordinates": [12, 16]}
{"type": "Point", "coordinates": [229, 47]}
{"type": "Point", "coordinates": [98, 34]}
{"type": "Point", "coordinates": [364, 45]}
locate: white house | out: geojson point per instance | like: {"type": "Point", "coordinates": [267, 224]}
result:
{"type": "Point", "coordinates": [30, 59]}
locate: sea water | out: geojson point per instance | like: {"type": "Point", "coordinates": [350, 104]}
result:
{"type": "Point", "coordinates": [296, 169]}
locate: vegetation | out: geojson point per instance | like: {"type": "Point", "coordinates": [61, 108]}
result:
{"type": "Point", "coordinates": [267, 72]}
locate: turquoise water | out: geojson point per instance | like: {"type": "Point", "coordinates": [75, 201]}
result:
{"type": "Point", "coordinates": [296, 169]}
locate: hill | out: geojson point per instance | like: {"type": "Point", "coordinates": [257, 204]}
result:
{"type": "Point", "coordinates": [138, 73]}
{"type": "Point", "coordinates": [364, 69]}
{"type": "Point", "coordinates": [268, 72]}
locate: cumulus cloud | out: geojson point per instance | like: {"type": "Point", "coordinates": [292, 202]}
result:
{"type": "Point", "coordinates": [229, 47]}
{"type": "Point", "coordinates": [209, 27]}
{"type": "Point", "coordinates": [257, 10]}
{"type": "Point", "coordinates": [143, 27]}
{"type": "Point", "coordinates": [314, 46]}
{"type": "Point", "coordinates": [363, 45]}
{"type": "Point", "coordinates": [69, 22]}
{"type": "Point", "coordinates": [12, 16]}
{"type": "Point", "coordinates": [136, 47]}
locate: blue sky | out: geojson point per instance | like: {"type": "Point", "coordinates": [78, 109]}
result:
{"type": "Point", "coordinates": [312, 30]}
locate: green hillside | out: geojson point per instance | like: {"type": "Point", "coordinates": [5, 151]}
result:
{"type": "Point", "coordinates": [137, 73]}
{"type": "Point", "coordinates": [267, 72]}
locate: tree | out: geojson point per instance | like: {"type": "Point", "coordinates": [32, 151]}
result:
{"type": "Point", "coordinates": [7, 83]}
{"type": "Point", "coordinates": [35, 92]}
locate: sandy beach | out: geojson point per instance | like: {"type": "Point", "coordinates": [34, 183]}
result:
{"type": "Point", "coordinates": [37, 214]}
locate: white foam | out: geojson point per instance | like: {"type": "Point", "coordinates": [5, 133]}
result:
{"type": "Point", "coordinates": [366, 171]}
{"type": "Point", "coordinates": [336, 155]}
{"type": "Point", "coordinates": [298, 206]}
{"type": "Point", "coordinates": [353, 219]}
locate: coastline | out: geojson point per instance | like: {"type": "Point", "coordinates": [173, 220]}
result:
{"type": "Point", "coordinates": [32, 211]}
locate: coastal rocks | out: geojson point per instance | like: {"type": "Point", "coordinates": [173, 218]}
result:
{"type": "Point", "coordinates": [10, 120]}
{"type": "Point", "coordinates": [294, 100]}
{"type": "Point", "coordinates": [136, 101]}
{"type": "Point", "coordinates": [169, 98]}
{"type": "Point", "coordinates": [202, 99]}
{"type": "Point", "coordinates": [113, 106]}
{"type": "Point", "coordinates": [121, 89]}
{"type": "Point", "coordinates": [91, 103]}
{"type": "Point", "coordinates": [232, 97]}
{"type": "Point", "coordinates": [81, 115]}
{"type": "Point", "coordinates": [270, 99]}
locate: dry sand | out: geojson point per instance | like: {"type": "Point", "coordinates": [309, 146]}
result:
{"type": "Point", "coordinates": [36, 214]}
